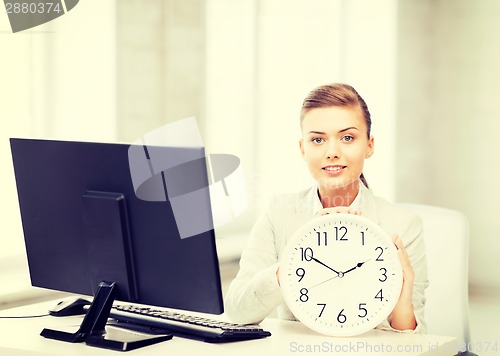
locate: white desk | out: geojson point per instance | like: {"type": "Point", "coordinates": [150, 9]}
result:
{"type": "Point", "coordinates": [20, 337]}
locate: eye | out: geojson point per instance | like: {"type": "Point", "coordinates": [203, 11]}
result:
{"type": "Point", "coordinates": [317, 140]}
{"type": "Point", "coordinates": [347, 138]}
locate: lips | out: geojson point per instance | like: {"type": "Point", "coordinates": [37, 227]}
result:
{"type": "Point", "coordinates": [333, 169]}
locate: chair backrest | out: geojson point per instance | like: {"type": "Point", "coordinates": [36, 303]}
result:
{"type": "Point", "coordinates": [446, 235]}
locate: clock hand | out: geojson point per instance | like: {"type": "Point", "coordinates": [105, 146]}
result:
{"type": "Point", "coordinates": [321, 263]}
{"type": "Point", "coordinates": [359, 264]}
{"type": "Point", "coordinates": [327, 280]}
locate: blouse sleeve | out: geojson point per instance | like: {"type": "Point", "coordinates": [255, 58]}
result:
{"type": "Point", "coordinates": [255, 293]}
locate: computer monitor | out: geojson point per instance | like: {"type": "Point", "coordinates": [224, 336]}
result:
{"type": "Point", "coordinates": [89, 231]}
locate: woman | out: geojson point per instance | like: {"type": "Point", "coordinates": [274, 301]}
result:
{"type": "Point", "coordinates": [336, 140]}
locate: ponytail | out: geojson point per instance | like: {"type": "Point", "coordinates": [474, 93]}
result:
{"type": "Point", "coordinates": [363, 179]}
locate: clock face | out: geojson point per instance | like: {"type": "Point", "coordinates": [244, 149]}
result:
{"type": "Point", "coordinates": [340, 274]}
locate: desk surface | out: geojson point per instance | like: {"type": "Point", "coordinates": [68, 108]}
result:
{"type": "Point", "coordinates": [19, 337]}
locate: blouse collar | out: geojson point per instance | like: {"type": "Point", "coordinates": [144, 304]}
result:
{"type": "Point", "coordinates": [355, 205]}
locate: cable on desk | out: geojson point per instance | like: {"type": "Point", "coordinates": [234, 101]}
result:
{"type": "Point", "coordinates": [24, 316]}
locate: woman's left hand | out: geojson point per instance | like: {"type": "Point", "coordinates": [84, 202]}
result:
{"type": "Point", "coordinates": [402, 316]}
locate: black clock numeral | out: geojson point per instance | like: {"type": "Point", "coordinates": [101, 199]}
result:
{"type": "Point", "coordinates": [362, 238]}
{"type": "Point", "coordinates": [340, 233]}
{"type": "Point", "coordinates": [324, 239]}
{"type": "Point", "coordinates": [303, 295]}
{"type": "Point", "coordinates": [362, 308]}
{"type": "Point", "coordinates": [379, 295]}
{"type": "Point", "coordinates": [379, 259]}
{"type": "Point", "coordinates": [306, 254]}
{"type": "Point", "coordinates": [323, 306]}
{"type": "Point", "coordinates": [341, 318]}
{"type": "Point", "coordinates": [300, 272]}
{"type": "Point", "coordinates": [384, 274]}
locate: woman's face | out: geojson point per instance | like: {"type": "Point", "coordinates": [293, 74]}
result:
{"type": "Point", "coordinates": [334, 145]}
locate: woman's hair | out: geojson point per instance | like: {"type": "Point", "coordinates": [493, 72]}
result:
{"type": "Point", "coordinates": [339, 95]}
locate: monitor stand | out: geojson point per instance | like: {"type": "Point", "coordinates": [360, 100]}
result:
{"type": "Point", "coordinates": [93, 332]}
{"type": "Point", "coordinates": [107, 237]}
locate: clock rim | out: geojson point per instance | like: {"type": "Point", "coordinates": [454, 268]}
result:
{"type": "Point", "coordinates": [328, 218]}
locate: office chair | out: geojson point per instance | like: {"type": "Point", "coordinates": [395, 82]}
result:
{"type": "Point", "coordinates": [446, 235]}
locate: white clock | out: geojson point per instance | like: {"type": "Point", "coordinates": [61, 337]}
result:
{"type": "Point", "coordinates": [340, 274]}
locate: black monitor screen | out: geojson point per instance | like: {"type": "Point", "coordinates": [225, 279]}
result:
{"type": "Point", "coordinates": [86, 220]}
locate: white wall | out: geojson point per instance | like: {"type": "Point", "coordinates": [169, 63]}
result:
{"type": "Point", "coordinates": [15, 120]}
{"type": "Point", "coordinates": [57, 81]}
{"type": "Point", "coordinates": [263, 57]}
{"type": "Point", "coordinates": [448, 118]}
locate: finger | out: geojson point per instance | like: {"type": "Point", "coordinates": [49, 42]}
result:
{"type": "Point", "coordinates": [398, 242]}
{"type": "Point", "coordinates": [339, 209]}
{"type": "Point", "coordinates": [403, 255]}
{"type": "Point", "coordinates": [399, 245]}
{"type": "Point", "coordinates": [401, 248]}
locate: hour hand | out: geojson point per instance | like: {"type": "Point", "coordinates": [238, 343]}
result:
{"type": "Point", "coordinates": [359, 264]}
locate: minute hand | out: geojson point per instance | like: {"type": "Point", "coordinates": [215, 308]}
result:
{"type": "Point", "coordinates": [321, 263]}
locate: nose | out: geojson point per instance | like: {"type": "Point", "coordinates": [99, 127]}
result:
{"type": "Point", "coordinates": [332, 149]}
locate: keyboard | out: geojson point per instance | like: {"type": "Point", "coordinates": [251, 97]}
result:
{"type": "Point", "coordinates": [151, 320]}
